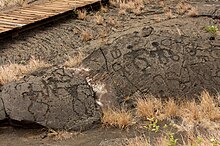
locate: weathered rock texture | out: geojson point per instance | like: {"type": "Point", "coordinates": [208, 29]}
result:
{"type": "Point", "coordinates": [159, 61]}
{"type": "Point", "coordinates": [2, 110]}
{"type": "Point", "coordinates": [54, 98]}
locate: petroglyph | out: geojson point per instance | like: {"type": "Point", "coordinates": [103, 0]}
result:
{"type": "Point", "coordinates": [154, 61]}
{"type": "Point", "coordinates": [54, 97]}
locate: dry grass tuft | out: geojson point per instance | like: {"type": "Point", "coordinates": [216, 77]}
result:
{"type": "Point", "coordinates": [206, 113]}
{"type": "Point", "coordinates": [182, 8]}
{"type": "Point", "coordinates": [137, 11]}
{"type": "Point", "coordinates": [74, 61]}
{"type": "Point", "coordinates": [103, 33]}
{"type": "Point", "coordinates": [99, 19]}
{"type": "Point", "coordinates": [133, 6]}
{"type": "Point", "coordinates": [82, 14]}
{"type": "Point", "coordinates": [112, 21]}
{"type": "Point", "coordinates": [117, 118]}
{"type": "Point", "coordinates": [150, 107]}
{"type": "Point", "coordinates": [157, 19]}
{"type": "Point", "coordinates": [193, 12]}
{"type": "Point", "coordinates": [103, 9]}
{"type": "Point", "coordinates": [190, 111]}
{"type": "Point", "coordinates": [170, 108]}
{"type": "Point", "coordinates": [169, 14]}
{"type": "Point", "coordinates": [209, 108]}
{"type": "Point", "coordinates": [12, 72]}
{"type": "Point", "coordinates": [86, 36]}
{"type": "Point", "coordinates": [60, 135]}
{"type": "Point", "coordinates": [147, 1]}
{"type": "Point", "coordinates": [161, 3]}
{"type": "Point", "coordinates": [208, 139]}
{"type": "Point", "coordinates": [122, 12]}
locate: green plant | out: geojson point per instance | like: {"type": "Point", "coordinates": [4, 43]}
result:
{"type": "Point", "coordinates": [165, 126]}
{"type": "Point", "coordinates": [199, 139]}
{"type": "Point", "coordinates": [153, 125]}
{"type": "Point", "coordinates": [215, 142]}
{"type": "Point", "coordinates": [172, 140]}
{"type": "Point", "coordinates": [212, 29]}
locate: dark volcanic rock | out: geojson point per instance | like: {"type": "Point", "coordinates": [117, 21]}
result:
{"type": "Point", "coordinates": [54, 98]}
{"type": "Point", "coordinates": [158, 61]}
{"type": "Point", "coordinates": [2, 110]}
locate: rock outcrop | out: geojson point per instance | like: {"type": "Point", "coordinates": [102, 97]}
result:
{"type": "Point", "coordinates": [159, 61]}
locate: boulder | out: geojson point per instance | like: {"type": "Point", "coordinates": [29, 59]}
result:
{"type": "Point", "coordinates": [53, 97]}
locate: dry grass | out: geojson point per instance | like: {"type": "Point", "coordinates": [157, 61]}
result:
{"type": "Point", "coordinates": [169, 14]}
{"type": "Point", "coordinates": [112, 21]}
{"type": "Point", "coordinates": [189, 110]}
{"type": "Point", "coordinates": [82, 14]}
{"type": "Point", "coordinates": [137, 11]}
{"type": "Point", "coordinates": [86, 36]}
{"type": "Point", "coordinates": [122, 11]}
{"type": "Point", "coordinates": [150, 107]}
{"type": "Point", "coordinates": [103, 33]}
{"type": "Point", "coordinates": [103, 9]}
{"type": "Point", "coordinates": [74, 61]}
{"type": "Point", "coordinates": [99, 19]}
{"type": "Point", "coordinates": [182, 8]}
{"type": "Point", "coordinates": [205, 113]}
{"type": "Point", "coordinates": [161, 3]}
{"type": "Point", "coordinates": [117, 118]}
{"type": "Point", "coordinates": [11, 72]}
{"type": "Point", "coordinates": [209, 139]}
{"type": "Point", "coordinates": [170, 108]}
{"type": "Point", "coordinates": [60, 135]}
{"type": "Point", "coordinates": [157, 19]}
{"type": "Point", "coordinates": [209, 108]}
{"type": "Point", "coordinates": [133, 6]}
{"type": "Point", "coordinates": [193, 12]}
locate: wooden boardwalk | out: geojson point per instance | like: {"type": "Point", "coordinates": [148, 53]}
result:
{"type": "Point", "coordinates": [19, 18]}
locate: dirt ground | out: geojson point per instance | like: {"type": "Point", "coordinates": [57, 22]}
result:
{"type": "Point", "coordinates": [55, 42]}
{"type": "Point", "coordinates": [24, 137]}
